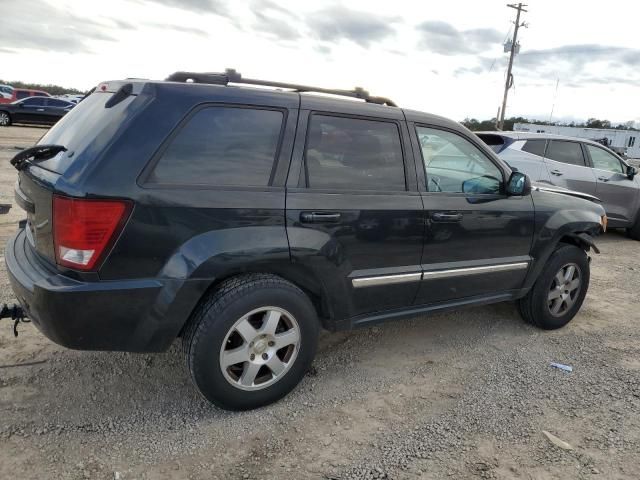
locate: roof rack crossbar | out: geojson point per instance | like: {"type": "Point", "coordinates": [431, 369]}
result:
{"type": "Point", "coordinates": [231, 76]}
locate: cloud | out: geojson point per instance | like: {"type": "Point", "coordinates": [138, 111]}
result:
{"type": "Point", "coordinates": [179, 28]}
{"type": "Point", "coordinates": [217, 7]}
{"type": "Point", "coordinates": [580, 55]}
{"type": "Point", "coordinates": [55, 29]}
{"type": "Point", "coordinates": [274, 20]}
{"type": "Point", "coordinates": [336, 23]}
{"type": "Point", "coordinates": [443, 38]}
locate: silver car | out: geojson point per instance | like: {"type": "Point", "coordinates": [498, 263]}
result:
{"type": "Point", "coordinates": [577, 164]}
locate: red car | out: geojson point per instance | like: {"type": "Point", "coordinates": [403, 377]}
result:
{"type": "Point", "coordinates": [20, 93]}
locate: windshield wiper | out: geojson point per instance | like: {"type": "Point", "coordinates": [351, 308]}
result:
{"type": "Point", "coordinates": [36, 154]}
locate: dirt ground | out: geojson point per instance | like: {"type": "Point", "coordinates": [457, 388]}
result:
{"type": "Point", "coordinates": [459, 395]}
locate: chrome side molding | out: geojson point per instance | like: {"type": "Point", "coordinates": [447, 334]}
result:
{"type": "Point", "coordinates": [459, 272]}
{"type": "Point", "coordinates": [432, 275]}
{"type": "Point", "coordinates": [386, 280]}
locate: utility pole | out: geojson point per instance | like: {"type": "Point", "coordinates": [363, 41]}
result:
{"type": "Point", "coordinates": [509, 81]}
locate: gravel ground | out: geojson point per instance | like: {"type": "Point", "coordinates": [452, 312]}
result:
{"type": "Point", "coordinates": [459, 395]}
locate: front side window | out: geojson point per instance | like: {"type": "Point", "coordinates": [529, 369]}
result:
{"type": "Point", "coordinates": [565, 152]}
{"type": "Point", "coordinates": [353, 153]}
{"type": "Point", "coordinates": [455, 165]}
{"type": "Point", "coordinates": [223, 146]}
{"type": "Point", "coordinates": [535, 147]}
{"type": "Point", "coordinates": [33, 102]}
{"type": "Point", "coordinates": [603, 160]}
{"type": "Point", "coordinates": [21, 94]}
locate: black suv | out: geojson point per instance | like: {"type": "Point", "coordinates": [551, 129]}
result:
{"type": "Point", "coordinates": [244, 219]}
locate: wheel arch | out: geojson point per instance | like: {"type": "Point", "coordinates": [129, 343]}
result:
{"type": "Point", "coordinates": [297, 275]}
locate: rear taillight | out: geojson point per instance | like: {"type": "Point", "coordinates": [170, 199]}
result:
{"type": "Point", "coordinates": [84, 230]}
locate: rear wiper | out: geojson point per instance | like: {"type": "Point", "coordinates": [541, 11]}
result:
{"type": "Point", "coordinates": [36, 154]}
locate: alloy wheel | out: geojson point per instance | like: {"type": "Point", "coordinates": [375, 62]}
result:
{"type": "Point", "coordinates": [260, 348]}
{"type": "Point", "coordinates": [565, 289]}
{"type": "Point", "coordinates": [4, 119]}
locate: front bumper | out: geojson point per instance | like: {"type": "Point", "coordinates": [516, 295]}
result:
{"type": "Point", "coordinates": [126, 315]}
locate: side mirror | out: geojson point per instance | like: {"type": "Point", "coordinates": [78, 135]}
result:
{"type": "Point", "coordinates": [518, 184]}
{"type": "Point", "coordinates": [21, 105]}
{"type": "Point", "coordinates": [481, 185]}
{"type": "Point", "coordinates": [631, 172]}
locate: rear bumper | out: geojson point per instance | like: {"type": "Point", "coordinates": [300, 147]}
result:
{"type": "Point", "coordinates": [130, 315]}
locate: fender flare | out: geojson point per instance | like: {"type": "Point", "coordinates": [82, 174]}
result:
{"type": "Point", "coordinates": [585, 241]}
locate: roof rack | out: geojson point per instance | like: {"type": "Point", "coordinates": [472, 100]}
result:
{"type": "Point", "coordinates": [231, 76]}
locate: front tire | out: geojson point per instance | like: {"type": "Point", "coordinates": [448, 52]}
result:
{"type": "Point", "coordinates": [251, 341]}
{"type": "Point", "coordinates": [5, 119]}
{"type": "Point", "coordinates": [559, 291]}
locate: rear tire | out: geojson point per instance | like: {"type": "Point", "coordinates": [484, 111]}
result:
{"type": "Point", "coordinates": [251, 341]}
{"type": "Point", "coordinates": [559, 291]}
{"type": "Point", "coordinates": [5, 119]}
{"type": "Point", "coordinates": [634, 231]}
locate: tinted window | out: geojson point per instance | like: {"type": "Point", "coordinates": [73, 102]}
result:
{"type": "Point", "coordinates": [53, 102]}
{"type": "Point", "coordinates": [454, 164]}
{"type": "Point", "coordinates": [534, 146]}
{"type": "Point", "coordinates": [603, 160]}
{"type": "Point", "coordinates": [353, 153]}
{"type": "Point", "coordinates": [566, 152]}
{"type": "Point", "coordinates": [222, 146]}
{"type": "Point", "coordinates": [34, 102]}
{"type": "Point", "coordinates": [21, 94]}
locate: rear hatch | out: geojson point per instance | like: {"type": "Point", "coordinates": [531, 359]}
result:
{"type": "Point", "coordinates": [83, 133]}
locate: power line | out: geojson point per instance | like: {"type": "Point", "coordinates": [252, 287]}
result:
{"type": "Point", "coordinates": [514, 48]}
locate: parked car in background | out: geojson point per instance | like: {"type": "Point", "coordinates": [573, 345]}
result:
{"type": "Point", "coordinates": [577, 164]}
{"type": "Point", "coordinates": [6, 92]}
{"type": "Point", "coordinates": [20, 93]}
{"type": "Point", "coordinates": [249, 218]}
{"type": "Point", "coordinates": [34, 110]}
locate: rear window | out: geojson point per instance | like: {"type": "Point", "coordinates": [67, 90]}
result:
{"type": "Point", "coordinates": [81, 126]}
{"type": "Point", "coordinates": [566, 152]}
{"type": "Point", "coordinates": [534, 146]}
{"type": "Point", "coordinates": [350, 153]}
{"type": "Point", "coordinates": [222, 146]}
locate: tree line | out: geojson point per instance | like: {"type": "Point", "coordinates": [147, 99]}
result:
{"type": "Point", "coordinates": [477, 125]}
{"type": "Point", "coordinates": [49, 88]}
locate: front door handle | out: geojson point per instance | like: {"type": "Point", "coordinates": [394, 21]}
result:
{"type": "Point", "coordinates": [604, 179]}
{"type": "Point", "coordinates": [556, 172]}
{"type": "Point", "coordinates": [319, 217]}
{"type": "Point", "coordinates": [451, 217]}
{"type": "Point", "coordinates": [40, 109]}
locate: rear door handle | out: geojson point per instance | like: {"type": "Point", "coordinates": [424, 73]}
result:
{"type": "Point", "coordinates": [40, 109]}
{"type": "Point", "coordinates": [556, 172]}
{"type": "Point", "coordinates": [319, 217]}
{"type": "Point", "coordinates": [441, 217]}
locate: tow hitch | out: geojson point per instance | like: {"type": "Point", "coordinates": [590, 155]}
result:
{"type": "Point", "coordinates": [15, 313]}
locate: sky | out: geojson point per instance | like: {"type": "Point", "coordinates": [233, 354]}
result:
{"type": "Point", "coordinates": [579, 59]}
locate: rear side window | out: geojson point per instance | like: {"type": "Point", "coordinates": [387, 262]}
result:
{"type": "Point", "coordinates": [353, 153]}
{"type": "Point", "coordinates": [534, 146]}
{"type": "Point", "coordinates": [223, 146]}
{"type": "Point", "coordinates": [565, 152]}
{"type": "Point", "coordinates": [52, 102]}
